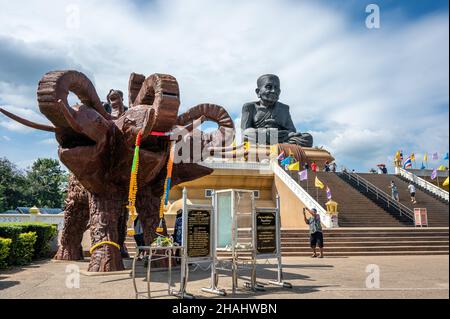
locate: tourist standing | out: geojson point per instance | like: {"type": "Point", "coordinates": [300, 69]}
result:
{"type": "Point", "coordinates": [394, 191]}
{"type": "Point", "coordinates": [333, 167]}
{"type": "Point", "coordinates": [315, 231]}
{"type": "Point", "coordinates": [412, 192]}
{"type": "Point", "coordinates": [139, 236]}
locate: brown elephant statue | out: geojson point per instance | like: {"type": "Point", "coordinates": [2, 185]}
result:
{"type": "Point", "coordinates": [98, 150]}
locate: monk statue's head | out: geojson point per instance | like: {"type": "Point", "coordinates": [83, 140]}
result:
{"type": "Point", "coordinates": [268, 89]}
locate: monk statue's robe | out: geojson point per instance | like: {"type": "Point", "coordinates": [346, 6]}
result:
{"type": "Point", "coordinates": [271, 124]}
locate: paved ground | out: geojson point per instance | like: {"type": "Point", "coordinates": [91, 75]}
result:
{"type": "Point", "coordinates": [400, 277]}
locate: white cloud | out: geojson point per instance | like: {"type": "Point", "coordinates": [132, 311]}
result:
{"type": "Point", "coordinates": [6, 138]}
{"type": "Point", "coordinates": [362, 92]}
{"type": "Point", "coordinates": [48, 141]}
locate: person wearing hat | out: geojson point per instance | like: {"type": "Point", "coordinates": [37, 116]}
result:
{"type": "Point", "coordinates": [315, 230]}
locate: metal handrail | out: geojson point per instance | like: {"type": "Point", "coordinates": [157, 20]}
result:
{"type": "Point", "coordinates": [423, 183]}
{"type": "Point", "coordinates": [380, 194]}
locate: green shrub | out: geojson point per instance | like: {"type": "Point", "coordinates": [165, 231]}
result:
{"type": "Point", "coordinates": [11, 232]}
{"type": "Point", "coordinates": [45, 233]}
{"type": "Point", "coordinates": [25, 248]}
{"type": "Point", "coordinates": [5, 244]}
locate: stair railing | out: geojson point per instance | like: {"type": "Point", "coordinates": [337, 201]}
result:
{"type": "Point", "coordinates": [301, 193]}
{"type": "Point", "coordinates": [422, 183]}
{"type": "Point", "coordinates": [380, 194]}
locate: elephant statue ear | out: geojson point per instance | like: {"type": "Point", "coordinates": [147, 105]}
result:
{"type": "Point", "coordinates": [161, 92]}
{"type": "Point", "coordinates": [223, 136]}
{"type": "Point", "coordinates": [53, 90]}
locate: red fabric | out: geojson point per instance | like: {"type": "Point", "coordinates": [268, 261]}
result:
{"type": "Point", "coordinates": [314, 167]}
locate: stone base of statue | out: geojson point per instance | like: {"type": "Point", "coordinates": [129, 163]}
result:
{"type": "Point", "coordinates": [262, 153]}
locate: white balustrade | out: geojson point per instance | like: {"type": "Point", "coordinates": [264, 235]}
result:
{"type": "Point", "coordinates": [302, 194]}
{"type": "Point", "coordinates": [45, 218]}
{"type": "Point", "coordinates": [422, 183]}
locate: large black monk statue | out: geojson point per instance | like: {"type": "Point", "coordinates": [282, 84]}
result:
{"type": "Point", "coordinates": [268, 121]}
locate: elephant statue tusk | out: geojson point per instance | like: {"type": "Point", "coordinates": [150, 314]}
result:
{"type": "Point", "coordinates": [28, 123]}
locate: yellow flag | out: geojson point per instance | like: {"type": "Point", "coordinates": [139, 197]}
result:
{"type": "Point", "coordinates": [294, 167]}
{"type": "Point", "coordinates": [445, 183]}
{"type": "Point", "coordinates": [234, 146]}
{"type": "Point", "coordinates": [318, 183]}
{"type": "Point", "coordinates": [442, 168]}
{"type": "Point", "coordinates": [247, 145]}
{"type": "Point", "coordinates": [412, 157]}
{"type": "Point", "coordinates": [274, 149]}
{"type": "Point", "coordinates": [425, 158]}
{"type": "Point", "coordinates": [397, 155]}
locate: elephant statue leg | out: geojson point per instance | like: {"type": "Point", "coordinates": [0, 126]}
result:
{"type": "Point", "coordinates": [104, 224]}
{"type": "Point", "coordinates": [76, 218]}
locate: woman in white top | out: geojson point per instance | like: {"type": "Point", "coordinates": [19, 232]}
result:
{"type": "Point", "coordinates": [412, 192]}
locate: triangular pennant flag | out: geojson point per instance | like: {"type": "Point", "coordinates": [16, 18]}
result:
{"type": "Point", "coordinates": [425, 157]}
{"type": "Point", "coordinates": [445, 183]}
{"type": "Point", "coordinates": [280, 157]}
{"type": "Point", "coordinates": [303, 175]}
{"type": "Point", "coordinates": [328, 193]}
{"type": "Point", "coordinates": [446, 157]}
{"type": "Point", "coordinates": [434, 174]}
{"type": "Point", "coordinates": [286, 161]}
{"type": "Point", "coordinates": [294, 167]}
{"type": "Point", "coordinates": [318, 183]}
{"type": "Point", "coordinates": [423, 166]}
{"type": "Point", "coordinates": [442, 168]}
{"type": "Point", "coordinates": [435, 156]}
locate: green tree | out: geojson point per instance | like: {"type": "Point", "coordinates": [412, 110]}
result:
{"type": "Point", "coordinates": [12, 186]}
{"type": "Point", "coordinates": [46, 183]}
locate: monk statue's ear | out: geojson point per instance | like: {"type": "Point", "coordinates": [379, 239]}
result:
{"type": "Point", "coordinates": [257, 91]}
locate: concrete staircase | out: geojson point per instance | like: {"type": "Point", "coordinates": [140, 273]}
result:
{"type": "Point", "coordinates": [361, 242]}
{"type": "Point", "coordinates": [438, 211]}
{"type": "Point", "coordinates": [355, 209]}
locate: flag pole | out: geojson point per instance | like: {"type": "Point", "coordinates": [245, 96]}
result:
{"type": "Point", "coordinates": [317, 191]}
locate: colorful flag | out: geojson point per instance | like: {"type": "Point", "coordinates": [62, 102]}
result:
{"type": "Point", "coordinates": [303, 175]}
{"type": "Point", "coordinates": [397, 155]}
{"type": "Point", "coordinates": [423, 166]}
{"type": "Point", "coordinates": [328, 193]}
{"type": "Point", "coordinates": [280, 157]}
{"type": "Point", "coordinates": [434, 174]}
{"type": "Point", "coordinates": [442, 168]}
{"type": "Point", "coordinates": [408, 163]}
{"type": "Point", "coordinates": [412, 157]}
{"type": "Point", "coordinates": [425, 157]}
{"type": "Point", "coordinates": [445, 183]}
{"type": "Point", "coordinates": [314, 167]}
{"type": "Point", "coordinates": [318, 183]}
{"type": "Point", "coordinates": [435, 156]}
{"type": "Point", "coordinates": [286, 161]}
{"type": "Point", "coordinates": [446, 157]}
{"type": "Point", "coordinates": [294, 167]}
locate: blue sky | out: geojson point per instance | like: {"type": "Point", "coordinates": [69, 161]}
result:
{"type": "Point", "coordinates": [363, 93]}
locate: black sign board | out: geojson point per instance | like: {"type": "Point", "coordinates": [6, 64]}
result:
{"type": "Point", "coordinates": [198, 233]}
{"type": "Point", "coordinates": [266, 233]}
